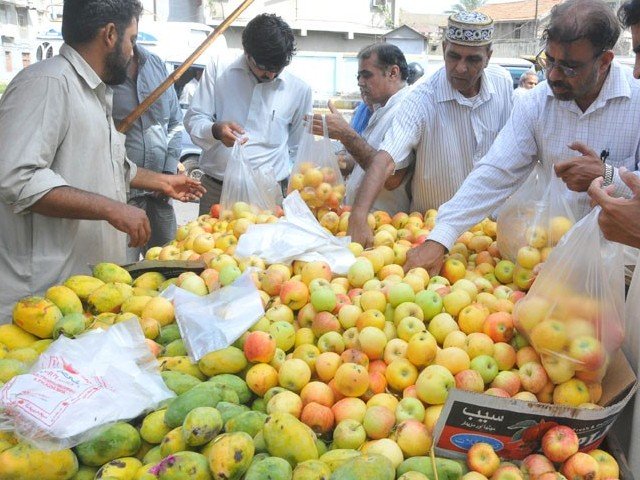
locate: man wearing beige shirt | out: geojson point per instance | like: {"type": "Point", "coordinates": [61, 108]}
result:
{"type": "Point", "coordinates": [63, 172]}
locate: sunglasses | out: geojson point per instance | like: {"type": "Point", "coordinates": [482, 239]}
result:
{"type": "Point", "coordinates": [549, 65]}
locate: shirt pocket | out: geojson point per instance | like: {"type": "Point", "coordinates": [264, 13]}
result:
{"type": "Point", "coordinates": [277, 130]}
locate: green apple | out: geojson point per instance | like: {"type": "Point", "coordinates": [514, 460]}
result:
{"type": "Point", "coordinates": [430, 303]}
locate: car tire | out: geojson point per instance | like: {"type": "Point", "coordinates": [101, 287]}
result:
{"type": "Point", "coordinates": [191, 163]}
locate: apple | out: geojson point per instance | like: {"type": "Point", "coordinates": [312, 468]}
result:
{"type": "Point", "coordinates": [378, 421]}
{"type": "Point", "coordinates": [279, 313]}
{"type": "Point", "coordinates": [483, 459]}
{"type": "Point", "coordinates": [351, 337]}
{"type": "Point", "coordinates": [479, 344]}
{"type": "Point", "coordinates": [373, 300]}
{"type": "Point", "coordinates": [259, 347]}
{"type": "Point", "coordinates": [526, 396]}
{"type": "Point", "coordinates": [471, 318]}
{"type": "Point", "coordinates": [532, 377]}
{"type": "Point", "coordinates": [580, 466]}
{"type": "Point", "coordinates": [453, 269]}
{"type": "Point", "coordinates": [287, 402]}
{"type": "Point", "coordinates": [549, 335]}
{"type": "Point", "coordinates": [508, 381]}
{"type": "Point", "coordinates": [294, 294]}
{"type": "Point", "coordinates": [486, 366]}
{"type": "Point", "coordinates": [400, 374]}
{"type": "Point", "coordinates": [349, 408]}
{"type": "Point", "coordinates": [319, 417]}
{"type": "Point", "coordinates": [588, 353]}
{"type": "Point", "coordinates": [406, 309]}
{"type": "Point", "coordinates": [455, 301]}
{"type": "Point", "coordinates": [455, 339]}
{"type": "Point", "coordinates": [433, 384]}
{"type": "Point", "coordinates": [370, 318]}
{"type": "Point", "coordinates": [528, 257]}
{"type": "Point", "coordinates": [410, 408]}
{"type": "Point", "coordinates": [430, 303]}
{"type": "Point", "coordinates": [326, 365]}
{"type": "Point", "coordinates": [504, 271]}
{"type": "Point", "coordinates": [372, 342]}
{"type": "Point", "coordinates": [360, 272]}
{"type": "Point", "coordinates": [400, 293]}
{"type": "Point", "coordinates": [351, 379]}
{"type": "Point", "coordinates": [261, 377]}
{"type": "Point", "coordinates": [454, 359]}
{"type": "Point", "coordinates": [525, 355]}
{"type": "Point", "coordinates": [505, 355]}
{"type": "Point", "coordinates": [194, 284]}
{"type": "Point", "coordinates": [559, 443]}
{"type": "Point", "coordinates": [469, 380]}
{"type": "Point", "coordinates": [413, 438]}
{"type": "Point", "coordinates": [385, 447]}
{"type": "Point", "coordinates": [607, 465]}
{"type": "Point", "coordinates": [323, 299]}
{"type": "Point", "coordinates": [318, 392]}
{"type": "Point", "coordinates": [558, 226]}
{"type": "Point", "coordinates": [573, 392]}
{"type": "Point", "coordinates": [441, 325]}
{"type": "Point", "coordinates": [284, 335]}
{"type": "Point", "coordinates": [507, 471]}
{"type": "Point", "coordinates": [349, 434]}
{"type": "Point", "coordinates": [499, 326]}
{"type": "Point", "coordinates": [395, 349]}
{"type": "Point", "coordinates": [535, 465]}
{"type": "Point", "coordinates": [331, 342]}
{"type": "Point", "coordinates": [421, 349]}
{"type": "Point", "coordinates": [348, 316]}
{"type": "Point", "coordinates": [408, 327]}
{"type": "Point", "coordinates": [294, 374]}
{"type": "Point", "coordinates": [305, 315]}
{"type": "Point", "coordinates": [558, 367]}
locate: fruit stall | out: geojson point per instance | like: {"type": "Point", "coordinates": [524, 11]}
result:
{"type": "Point", "coordinates": [345, 369]}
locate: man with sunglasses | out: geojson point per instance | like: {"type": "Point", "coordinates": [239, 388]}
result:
{"type": "Point", "coordinates": [254, 99]}
{"type": "Point", "coordinates": [583, 108]}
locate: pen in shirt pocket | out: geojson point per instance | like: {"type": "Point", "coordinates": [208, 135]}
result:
{"type": "Point", "coordinates": [604, 154]}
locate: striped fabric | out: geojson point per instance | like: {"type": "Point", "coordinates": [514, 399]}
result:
{"type": "Point", "coordinates": [540, 128]}
{"type": "Point", "coordinates": [449, 132]}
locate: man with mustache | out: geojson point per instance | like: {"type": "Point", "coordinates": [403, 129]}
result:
{"type": "Point", "coordinates": [64, 175]}
{"type": "Point", "coordinates": [450, 120]}
{"type": "Point", "coordinates": [254, 98]}
{"type": "Point", "coordinates": [584, 108]}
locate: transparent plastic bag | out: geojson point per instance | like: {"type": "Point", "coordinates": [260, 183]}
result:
{"type": "Point", "coordinates": [536, 215]}
{"type": "Point", "coordinates": [216, 320]}
{"type": "Point", "coordinates": [246, 184]}
{"type": "Point", "coordinates": [78, 386]}
{"type": "Point", "coordinates": [316, 173]}
{"type": "Point", "coordinates": [573, 315]}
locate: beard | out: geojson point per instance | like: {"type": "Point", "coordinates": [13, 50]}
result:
{"type": "Point", "coordinates": [565, 91]}
{"type": "Point", "coordinates": [116, 64]}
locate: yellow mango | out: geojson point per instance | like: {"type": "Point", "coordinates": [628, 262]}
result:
{"type": "Point", "coordinates": [85, 473]}
{"type": "Point", "coordinates": [125, 290]}
{"type": "Point", "coordinates": [181, 364]}
{"type": "Point", "coordinates": [227, 360]}
{"type": "Point", "coordinates": [4, 350]}
{"type": "Point", "coordinates": [121, 468]}
{"type": "Point", "coordinates": [139, 291]}
{"type": "Point", "coordinates": [7, 440]}
{"type": "Point", "coordinates": [153, 428]}
{"type": "Point", "coordinates": [26, 355]}
{"type": "Point", "coordinates": [41, 345]}
{"type": "Point", "coordinates": [144, 472]}
{"type": "Point", "coordinates": [160, 309]}
{"type": "Point", "coordinates": [83, 285]}
{"type": "Point", "coordinates": [110, 272]}
{"type": "Point", "coordinates": [107, 317]}
{"type": "Point", "coordinates": [9, 368]}
{"type": "Point", "coordinates": [15, 337]}
{"type": "Point", "coordinates": [106, 298]}
{"type": "Point", "coordinates": [153, 456]}
{"type": "Point", "coordinates": [230, 455]}
{"type": "Point", "coordinates": [150, 280]}
{"type": "Point", "coordinates": [24, 462]}
{"type": "Point", "coordinates": [65, 299]}
{"type": "Point", "coordinates": [135, 304]}
{"type": "Point", "coordinates": [311, 470]}
{"type": "Point", "coordinates": [287, 437]}
{"type": "Point", "coordinates": [173, 442]}
{"type": "Point", "coordinates": [36, 315]}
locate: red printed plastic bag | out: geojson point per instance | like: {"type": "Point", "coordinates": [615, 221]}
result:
{"type": "Point", "coordinates": [573, 315]}
{"type": "Point", "coordinates": [316, 174]}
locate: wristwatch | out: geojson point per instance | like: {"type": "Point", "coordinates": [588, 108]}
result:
{"type": "Point", "coordinates": [608, 174]}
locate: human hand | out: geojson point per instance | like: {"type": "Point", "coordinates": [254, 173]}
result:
{"type": "Point", "coordinates": [337, 126]}
{"type": "Point", "coordinates": [619, 219]}
{"type": "Point", "coordinates": [429, 255]}
{"type": "Point", "coordinates": [579, 172]}
{"type": "Point", "coordinates": [360, 231]}
{"type": "Point", "coordinates": [228, 133]}
{"type": "Point", "coordinates": [133, 221]}
{"type": "Point", "coordinates": [182, 187]}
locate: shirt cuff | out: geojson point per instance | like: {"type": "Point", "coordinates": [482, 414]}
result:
{"type": "Point", "coordinates": [621, 189]}
{"type": "Point", "coordinates": [444, 235]}
{"type": "Point", "coordinates": [130, 172]}
{"type": "Point", "coordinates": [42, 182]}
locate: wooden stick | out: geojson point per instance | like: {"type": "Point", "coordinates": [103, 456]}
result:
{"type": "Point", "coordinates": [125, 125]}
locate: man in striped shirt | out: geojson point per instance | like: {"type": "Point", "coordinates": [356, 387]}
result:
{"type": "Point", "coordinates": [450, 120]}
{"type": "Point", "coordinates": [589, 104]}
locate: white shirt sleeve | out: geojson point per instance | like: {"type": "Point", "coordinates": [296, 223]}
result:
{"type": "Point", "coordinates": [297, 123]}
{"type": "Point", "coordinates": [504, 167]}
{"type": "Point", "coordinates": [407, 128]}
{"type": "Point", "coordinates": [201, 114]}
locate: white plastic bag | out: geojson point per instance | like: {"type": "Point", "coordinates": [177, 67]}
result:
{"type": "Point", "coordinates": [80, 385]}
{"type": "Point", "coordinates": [215, 321]}
{"type": "Point", "coordinates": [574, 313]}
{"type": "Point", "coordinates": [296, 236]}
{"type": "Point", "coordinates": [243, 183]}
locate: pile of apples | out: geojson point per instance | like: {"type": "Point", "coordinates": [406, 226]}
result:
{"type": "Point", "coordinates": [560, 459]}
{"type": "Point", "coordinates": [319, 187]}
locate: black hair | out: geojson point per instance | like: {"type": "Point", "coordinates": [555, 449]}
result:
{"type": "Point", "coordinates": [592, 20]}
{"type": "Point", "coordinates": [81, 19]}
{"type": "Point", "coordinates": [388, 56]}
{"type": "Point", "coordinates": [270, 41]}
{"type": "Point", "coordinates": [415, 72]}
{"type": "Point", "coordinates": [629, 13]}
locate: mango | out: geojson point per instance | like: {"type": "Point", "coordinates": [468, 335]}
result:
{"type": "Point", "coordinates": [230, 455]}
{"type": "Point", "coordinates": [71, 325]}
{"type": "Point", "coordinates": [338, 457]}
{"type": "Point", "coordinates": [288, 438]}
{"type": "Point", "coordinates": [229, 410]}
{"type": "Point", "coordinates": [271, 468]}
{"type": "Point", "coordinates": [122, 468]}
{"type": "Point", "coordinates": [447, 469]}
{"type": "Point", "coordinates": [179, 382]}
{"type": "Point", "coordinates": [312, 470]}
{"type": "Point", "coordinates": [83, 285]}
{"type": "Point", "coordinates": [107, 317]}
{"type": "Point", "coordinates": [36, 315]}
{"type": "Point", "coordinates": [135, 304]}
{"type": "Point", "coordinates": [124, 289]}
{"type": "Point", "coordinates": [175, 348]}
{"type": "Point", "coordinates": [203, 395]}
{"type": "Point", "coordinates": [85, 473]}
{"type": "Point", "coordinates": [146, 292]}
{"type": "Point", "coordinates": [153, 428]}
{"type": "Point", "coordinates": [236, 383]}
{"type": "Point", "coordinates": [259, 405]}
{"type": "Point", "coordinates": [167, 282]}
{"type": "Point", "coordinates": [259, 443]}
{"type": "Point", "coordinates": [227, 360]}
{"type": "Point", "coordinates": [183, 466]}
{"type": "Point", "coordinates": [160, 309]}
{"type": "Point", "coordinates": [145, 472]}
{"type": "Point", "coordinates": [151, 329]}
{"type": "Point", "coordinates": [106, 298]}
{"type": "Point", "coordinates": [64, 298]}
{"type": "Point", "coordinates": [250, 422]}
{"type": "Point", "coordinates": [153, 456]}
{"type": "Point", "coordinates": [41, 346]}
{"type": "Point", "coordinates": [10, 367]}
{"type": "Point", "coordinates": [173, 442]}
{"type": "Point", "coordinates": [110, 272]}
{"type": "Point", "coordinates": [181, 364]}
{"type": "Point", "coordinates": [26, 355]}
{"type": "Point", "coordinates": [24, 462]}
{"type": "Point", "coordinates": [4, 350]}
{"type": "Point", "coordinates": [7, 440]}
{"type": "Point", "coordinates": [365, 466]}
{"type": "Point", "coordinates": [168, 334]}
{"type": "Point", "coordinates": [150, 280]}
{"type": "Point", "coordinates": [15, 337]}
{"type": "Point", "coordinates": [144, 449]}
{"type": "Point", "coordinates": [201, 425]}
{"type": "Point", "coordinates": [125, 316]}
{"type": "Point", "coordinates": [117, 440]}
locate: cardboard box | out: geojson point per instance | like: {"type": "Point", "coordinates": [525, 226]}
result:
{"type": "Point", "coordinates": [169, 268]}
{"type": "Point", "coordinates": [514, 427]}
{"type": "Point", "coordinates": [612, 445]}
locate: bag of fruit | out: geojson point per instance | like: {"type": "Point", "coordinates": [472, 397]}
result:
{"type": "Point", "coordinates": [534, 219]}
{"type": "Point", "coordinates": [243, 183]}
{"type": "Point", "coordinates": [573, 316]}
{"type": "Point", "coordinates": [316, 173]}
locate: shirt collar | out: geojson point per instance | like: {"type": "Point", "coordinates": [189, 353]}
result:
{"type": "Point", "coordinates": [445, 92]}
{"type": "Point", "coordinates": [82, 68]}
{"type": "Point", "coordinates": [240, 63]}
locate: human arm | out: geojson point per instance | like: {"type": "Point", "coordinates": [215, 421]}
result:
{"type": "Point", "coordinates": [180, 187]}
{"type": "Point", "coordinates": [619, 219]}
